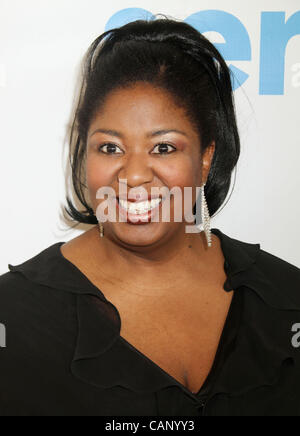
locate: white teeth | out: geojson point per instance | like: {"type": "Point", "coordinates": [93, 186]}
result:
{"type": "Point", "coordinates": [140, 207]}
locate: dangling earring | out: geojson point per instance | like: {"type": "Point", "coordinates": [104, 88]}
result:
{"type": "Point", "coordinates": [101, 228]}
{"type": "Point", "coordinates": [205, 217]}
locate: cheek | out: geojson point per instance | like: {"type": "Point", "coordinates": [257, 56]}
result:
{"type": "Point", "coordinates": [98, 173]}
{"type": "Point", "coordinates": [182, 172]}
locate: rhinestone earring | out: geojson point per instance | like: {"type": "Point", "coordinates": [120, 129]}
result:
{"type": "Point", "coordinates": [101, 229]}
{"type": "Point", "coordinates": [205, 217]}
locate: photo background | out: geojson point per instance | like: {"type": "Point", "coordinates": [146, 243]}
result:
{"type": "Point", "coordinates": [41, 46]}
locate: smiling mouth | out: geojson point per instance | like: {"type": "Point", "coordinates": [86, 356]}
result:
{"type": "Point", "coordinates": [139, 208]}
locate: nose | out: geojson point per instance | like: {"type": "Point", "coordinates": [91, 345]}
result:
{"type": "Point", "coordinates": [137, 170]}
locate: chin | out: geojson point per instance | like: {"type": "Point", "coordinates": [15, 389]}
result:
{"type": "Point", "coordinates": [141, 235]}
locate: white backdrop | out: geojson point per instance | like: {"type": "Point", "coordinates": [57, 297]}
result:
{"type": "Point", "coordinates": [41, 45]}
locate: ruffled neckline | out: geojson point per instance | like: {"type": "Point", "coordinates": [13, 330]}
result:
{"type": "Point", "coordinates": [104, 359]}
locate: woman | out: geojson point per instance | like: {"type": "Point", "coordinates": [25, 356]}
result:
{"type": "Point", "coordinates": [139, 316]}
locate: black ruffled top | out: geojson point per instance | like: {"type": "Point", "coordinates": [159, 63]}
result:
{"type": "Point", "coordinates": [64, 355]}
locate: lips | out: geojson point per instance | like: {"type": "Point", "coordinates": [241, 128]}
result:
{"type": "Point", "coordinates": [138, 212]}
{"type": "Point", "coordinates": [138, 198]}
{"type": "Point", "coordinates": [139, 207]}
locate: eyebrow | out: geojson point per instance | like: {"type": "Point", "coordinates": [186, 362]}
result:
{"type": "Point", "coordinates": [149, 135]}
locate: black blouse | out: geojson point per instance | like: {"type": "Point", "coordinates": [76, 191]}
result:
{"type": "Point", "coordinates": [64, 355]}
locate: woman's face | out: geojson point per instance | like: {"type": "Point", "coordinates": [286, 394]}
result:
{"type": "Point", "coordinates": [139, 139]}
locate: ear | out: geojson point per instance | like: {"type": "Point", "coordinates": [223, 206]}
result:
{"type": "Point", "coordinates": [207, 160]}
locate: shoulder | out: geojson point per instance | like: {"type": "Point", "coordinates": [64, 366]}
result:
{"type": "Point", "coordinates": [15, 292]}
{"type": "Point", "coordinates": [283, 277]}
{"type": "Point", "coordinates": [29, 308]}
{"type": "Point", "coordinates": [38, 327]}
{"type": "Point", "coordinates": [18, 292]}
{"type": "Point", "coordinates": [281, 271]}
{"type": "Point", "coordinates": [273, 278]}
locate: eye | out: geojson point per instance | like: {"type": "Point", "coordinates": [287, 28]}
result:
{"type": "Point", "coordinates": [109, 148]}
{"type": "Point", "coordinates": [164, 148]}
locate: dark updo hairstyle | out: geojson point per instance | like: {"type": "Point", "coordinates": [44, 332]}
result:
{"type": "Point", "coordinates": [173, 56]}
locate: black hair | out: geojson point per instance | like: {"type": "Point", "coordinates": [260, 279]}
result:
{"type": "Point", "coordinates": [171, 55]}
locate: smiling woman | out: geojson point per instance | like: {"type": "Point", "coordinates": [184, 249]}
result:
{"type": "Point", "coordinates": [144, 158]}
{"type": "Point", "coordinates": [158, 60]}
{"type": "Point", "coordinates": [147, 318]}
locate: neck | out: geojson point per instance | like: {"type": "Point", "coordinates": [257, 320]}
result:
{"type": "Point", "coordinates": [179, 252]}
